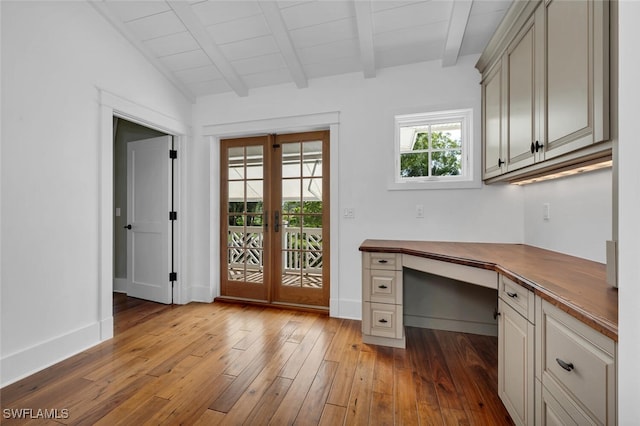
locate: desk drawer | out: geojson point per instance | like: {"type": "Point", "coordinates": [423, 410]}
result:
{"type": "Point", "coordinates": [578, 360]}
{"type": "Point", "coordinates": [382, 286]}
{"type": "Point", "coordinates": [388, 261]}
{"type": "Point", "coordinates": [518, 297]}
{"type": "Point", "coordinates": [382, 320]}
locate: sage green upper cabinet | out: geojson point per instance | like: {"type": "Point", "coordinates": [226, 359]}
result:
{"type": "Point", "coordinates": [577, 78]}
{"type": "Point", "coordinates": [522, 103]}
{"type": "Point", "coordinates": [546, 85]}
{"type": "Point", "coordinates": [492, 93]}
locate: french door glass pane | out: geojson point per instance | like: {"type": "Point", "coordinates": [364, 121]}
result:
{"type": "Point", "coordinates": [245, 242]}
{"type": "Point", "coordinates": [291, 160]}
{"type": "Point", "coordinates": [312, 159]}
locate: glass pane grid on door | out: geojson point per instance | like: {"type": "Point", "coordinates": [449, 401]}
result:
{"type": "Point", "coordinates": [245, 211]}
{"type": "Point", "coordinates": [275, 221]}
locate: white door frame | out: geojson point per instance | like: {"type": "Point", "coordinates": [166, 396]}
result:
{"type": "Point", "coordinates": [288, 124]}
{"type": "Point", "coordinates": [113, 105]}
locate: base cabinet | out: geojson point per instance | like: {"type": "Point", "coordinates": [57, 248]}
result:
{"type": "Point", "coordinates": [516, 337]}
{"type": "Point", "coordinates": [382, 322]}
{"type": "Point", "coordinates": [575, 370]}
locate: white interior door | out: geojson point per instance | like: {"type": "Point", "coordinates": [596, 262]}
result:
{"type": "Point", "coordinates": [148, 205]}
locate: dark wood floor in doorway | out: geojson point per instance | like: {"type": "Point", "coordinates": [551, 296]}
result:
{"type": "Point", "coordinates": [236, 364]}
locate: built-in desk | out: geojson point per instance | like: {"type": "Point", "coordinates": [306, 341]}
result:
{"type": "Point", "coordinates": [574, 285]}
{"type": "Point", "coordinates": [557, 321]}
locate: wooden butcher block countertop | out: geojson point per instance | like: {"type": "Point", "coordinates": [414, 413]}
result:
{"type": "Point", "coordinates": [575, 285]}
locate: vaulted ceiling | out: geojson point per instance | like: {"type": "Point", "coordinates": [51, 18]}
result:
{"type": "Point", "coordinates": [215, 46]}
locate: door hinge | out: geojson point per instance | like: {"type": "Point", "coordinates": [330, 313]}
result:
{"type": "Point", "coordinates": [173, 215]}
{"type": "Point", "coordinates": [173, 154]}
{"type": "Point", "coordinates": [276, 145]}
{"type": "Point", "coordinates": [173, 276]}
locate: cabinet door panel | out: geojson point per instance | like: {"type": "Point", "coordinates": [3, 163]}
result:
{"type": "Point", "coordinates": [568, 73]}
{"type": "Point", "coordinates": [521, 101]}
{"type": "Point", "coordinates": [515, 364]}
{"type": "Point", "coordinates": [492, 108]}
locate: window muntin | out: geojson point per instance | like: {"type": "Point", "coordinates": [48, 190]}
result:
{"type": "Point", "coordinates": [433, 147]}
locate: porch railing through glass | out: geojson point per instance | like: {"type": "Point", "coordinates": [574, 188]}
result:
{"type": "Point", "coordinates": [301, 259]}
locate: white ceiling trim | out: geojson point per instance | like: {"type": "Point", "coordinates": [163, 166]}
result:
{"type": "Point", "coordinates": [106, 12]}
{"type": "Point", "coordinates": [274, 19]}
{"type": "Point", "coordinates": [365, 37]}
{"type": "Point", "coordinates": [457, 25]}
{"type": "Point", "coordinates": [203, 38]}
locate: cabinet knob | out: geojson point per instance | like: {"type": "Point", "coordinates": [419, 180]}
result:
{"type": "Point", "coordinates": [539, 146]}
{"type": "Point", "coordinates": [382, 286]}
{"type": "Point", "coordinates": [496, 314]}
{"type": "Point", "coordinates": [382, 261]}
{"type": "Point", "coordinates": [513, 295]}
{"type": "Point", "coordinates": [383, 321]}
{"type": "Point", "coordinates": [565, 365]}
{"type": "Point", "coordinates": [500, 162]}
{"type": "Point", "coordinates": [533, 148]}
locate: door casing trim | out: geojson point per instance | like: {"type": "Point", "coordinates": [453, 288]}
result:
{"type": "Point", "coordinates": [112, 105]}
{"type": "Point", "coordinates": [287, 124]}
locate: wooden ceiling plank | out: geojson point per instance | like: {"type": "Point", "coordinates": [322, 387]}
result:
{"type": "Point", "coordinates": [103, 9]}
{"type": "Point", "coordinates": [457, 25]}
{"type": "Point", "coordinates": [274, 19]}
{"type": "Point", "coordinates": [199, 32]}
{"type": "Point", "coordinates": [365, 37]}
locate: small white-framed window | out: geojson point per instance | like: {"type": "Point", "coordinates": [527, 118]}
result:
{"type": "Point", "coordinates": [434, 150]}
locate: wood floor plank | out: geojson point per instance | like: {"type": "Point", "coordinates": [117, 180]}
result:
{"type": "Point", "coordinates": [266, 407]}
{"type": "Point", "coordinates": [249, 391]}
{"type": "Point", "coordinates": [210, 418]}
{"type": "Point", "coordinates": [332, 415]}
{"type": "Point", "coordinates": [406, 412]}
{"type": "Point", "coordinates": [314, 402]}
{"type": "Point", "coordinates": [293, 400]}
{"type": "Point", "coordinates": [359, 406]}
{"type": "Point", "coordinates": [236, 363]}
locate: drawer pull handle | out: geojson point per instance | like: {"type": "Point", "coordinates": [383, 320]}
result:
{"type": "Point", "coordinates": [382, 286]}
{"type": "Point", "coordinates": [564, 365]}
{"type": "Point", "coordinates": [383, 321]}
{"type": "Point", "coordinates": [382, 261]}
{"type": "Point", "coordinates": [514, 295]}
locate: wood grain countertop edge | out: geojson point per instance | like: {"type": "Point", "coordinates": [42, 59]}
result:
{"type": "Point", "coordinates": [598, 323]}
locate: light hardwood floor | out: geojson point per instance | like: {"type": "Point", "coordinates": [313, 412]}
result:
{"type": "Point", "coordinates": [236, 364]}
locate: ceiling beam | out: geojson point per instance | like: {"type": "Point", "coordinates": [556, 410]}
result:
{"type": "Point", "coordinates": [107, 13]}
{"type": "Point", "coordinates": [203, 38]}
{"type": "Point", "coordinates": [365, 37]}
{"type": "Point", "coordinates": [457, 26]}
{"type": "Point", "coordinates": [279, 30]}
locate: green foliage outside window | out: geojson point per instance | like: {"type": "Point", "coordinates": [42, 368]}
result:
{"type": "Point", "coordinates": [446, 156]}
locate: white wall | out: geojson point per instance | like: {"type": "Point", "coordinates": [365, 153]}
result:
{"type": "Point", "coordinates": [629, 212]}
{"type": "Point", "coordinates": [55, 57]}
{"type": "Point", "coordinates": [365, 162]}
{"type": "Point", "coordinates": [581, 215]}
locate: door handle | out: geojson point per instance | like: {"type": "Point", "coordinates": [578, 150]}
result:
{"type": "Point", "coordinates": [276, 218]}
{"type": "Point", "coordinates": [127, 227]}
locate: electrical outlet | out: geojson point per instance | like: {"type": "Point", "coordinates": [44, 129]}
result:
{"type": "Point", "coordinates": [349, 213]}
{"type": "Point", "coordinates": [419, 211]}
{"type": "Point", "coordinates": [546, 211]}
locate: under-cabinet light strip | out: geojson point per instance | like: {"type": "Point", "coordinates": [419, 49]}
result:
{"type": "Point", "coordinates": [565, 173]}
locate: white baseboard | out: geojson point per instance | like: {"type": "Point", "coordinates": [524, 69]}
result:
{"type": "Point", "coordinates": [200, 294]}
{"type": "Point", "coordinates": [120, 285]}
{"type": "Point", "coordinates": [23, 363]}
{"type": "Point", "coordinates": [345, 308]}
{"type": "Point", "coordinates": [485, 329]}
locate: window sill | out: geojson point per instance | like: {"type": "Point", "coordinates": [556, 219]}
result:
{"type": "Point", "coordinates": [434, 184]}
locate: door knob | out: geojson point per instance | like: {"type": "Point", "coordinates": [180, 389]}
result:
{"type": "Point", "coordinates": [127, 226]}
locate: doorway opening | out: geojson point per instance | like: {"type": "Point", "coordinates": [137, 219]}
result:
{"type": "Point", "coordinates": [275, 219]}
{"type": "Point", "coordinates": [142, 222]}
